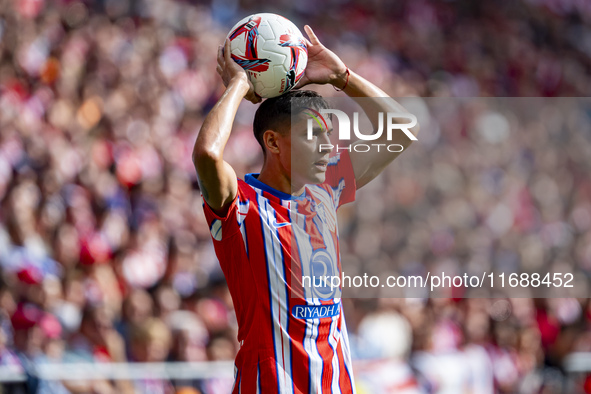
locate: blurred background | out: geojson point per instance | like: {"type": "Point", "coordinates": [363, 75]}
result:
{"type": "Point", "coordinates": [104, 250]}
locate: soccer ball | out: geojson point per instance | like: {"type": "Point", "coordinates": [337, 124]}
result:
{"type": "Point", "coordinates": [272, 50]}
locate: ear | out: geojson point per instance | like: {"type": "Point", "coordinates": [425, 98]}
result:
{"type": "Point", "coordinates": [271, 140]}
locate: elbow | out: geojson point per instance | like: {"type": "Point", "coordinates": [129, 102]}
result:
{"type": "Point", "coordinates": [203, 156]}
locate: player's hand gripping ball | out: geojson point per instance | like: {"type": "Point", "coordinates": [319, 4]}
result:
{"type": "Point", "coordinates": [272, 51]}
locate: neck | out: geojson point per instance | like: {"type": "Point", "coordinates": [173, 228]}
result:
{"type": "Point", "coordinates": [278, 178]}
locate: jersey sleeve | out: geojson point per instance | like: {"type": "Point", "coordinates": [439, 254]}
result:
{"type": "Point", "coordinates": [223, 228]}
{"type": "Point", "coordinates": [341, 178]}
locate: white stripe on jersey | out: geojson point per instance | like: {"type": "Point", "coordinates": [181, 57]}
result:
{"type": "Point", "coordinates": [316, 361]}
{"type": "Point", "coordinates": [258, 378]}
{"type": "Point", "coordinates": [333, 341]}
{"type": "Point", "coordinates": [241, 212]}
{"type": "Point", "coordinates": [279, 297]}
{"type": "Point", "coordinates": [311, 332]}
{"type": "Point", "coordinates": [346, 352]}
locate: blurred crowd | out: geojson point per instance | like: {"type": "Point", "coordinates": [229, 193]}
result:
{"type": "Point", "coordinates": [104, 250]}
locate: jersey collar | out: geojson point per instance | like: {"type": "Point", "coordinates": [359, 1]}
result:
{"type": "Point", "coordinates": [252, 180]}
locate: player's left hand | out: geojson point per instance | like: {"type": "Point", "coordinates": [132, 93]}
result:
{"type": "Point", "coordinates": [323, 65]}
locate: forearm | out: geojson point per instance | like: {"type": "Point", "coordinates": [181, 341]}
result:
{"type": "Point", "coordinates": [377, 105]}
{"type": "Point", "coordinates": [217, 179]}
{"type": "Point", "coordinates": [373, 102]}
{"type": "Point", "coordinates": [357, 86]}
{"type": "Point", "coordinates": [217, 126]}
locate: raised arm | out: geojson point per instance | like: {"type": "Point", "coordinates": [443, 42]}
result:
{"type": "Point", "coordinates": [368, 165]}
{"type": "Point", "coordinates": [217, 179]}
{"type": "Point", "coordinates": [326, 67]}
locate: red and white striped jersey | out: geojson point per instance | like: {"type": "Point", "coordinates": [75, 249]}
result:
{"type": "Point", "coordinates": [292, 339]}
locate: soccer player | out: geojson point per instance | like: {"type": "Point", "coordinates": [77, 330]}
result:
{"type": "Point", "coordinates": [271, 228]}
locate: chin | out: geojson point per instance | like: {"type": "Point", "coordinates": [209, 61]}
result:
{"type": "Point", "coordinates": [318, 178]}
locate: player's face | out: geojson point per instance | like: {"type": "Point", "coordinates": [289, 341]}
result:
{"type": "Point", "coordinates": [308, 159]}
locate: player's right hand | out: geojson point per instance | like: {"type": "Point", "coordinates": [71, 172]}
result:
{"type": "Point", "coordinates": [229, 70]}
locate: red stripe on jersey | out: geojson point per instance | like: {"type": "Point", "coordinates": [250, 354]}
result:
{"type": "Point", "coordinates": [345, 382]}
{"type": "Point", "coordinates": [325, 352]}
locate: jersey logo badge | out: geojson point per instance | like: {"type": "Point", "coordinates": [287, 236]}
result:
{"type": "Point", "coordinates": [216, 230]}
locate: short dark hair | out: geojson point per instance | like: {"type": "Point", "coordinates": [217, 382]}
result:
{"type": "Point", "coordinates": [275, 113]}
